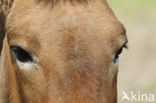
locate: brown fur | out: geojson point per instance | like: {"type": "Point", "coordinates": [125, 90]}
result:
{"type": "Point", "coordinates": [56, 1]}
{"type": "Point", "coordinates": [73, 48]}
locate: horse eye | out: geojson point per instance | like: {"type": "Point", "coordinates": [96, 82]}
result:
{"type": "Point", "coordinates": [119, 52]}
{"type": "Point", "coordinates": [21, 54]}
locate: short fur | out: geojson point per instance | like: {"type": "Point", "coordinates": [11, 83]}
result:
{"type": "Point", "coordinates": [72, 47]}
{"type": "Point", "coordinates": [56, 1]}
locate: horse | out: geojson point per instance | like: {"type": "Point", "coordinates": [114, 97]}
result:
{"type": "Point", "coordinates": [59, 51]}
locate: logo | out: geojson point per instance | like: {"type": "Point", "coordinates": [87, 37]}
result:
{"type": "Point", "coordinates": [138, 97]}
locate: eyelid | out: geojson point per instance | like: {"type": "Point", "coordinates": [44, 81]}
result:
{"type": "Point", "coordinates": [125, 46]}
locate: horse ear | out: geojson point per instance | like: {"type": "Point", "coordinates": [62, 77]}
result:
{"type": "Point", "coordinates": [2, 28]}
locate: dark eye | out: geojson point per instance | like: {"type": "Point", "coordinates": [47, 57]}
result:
{"type": "Point", "coordinates": [118, 53]}
{"type": "Point", "coordinates": [21, 54]}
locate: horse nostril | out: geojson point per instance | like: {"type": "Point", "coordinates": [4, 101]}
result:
{"type": "Point", "coordinates": [21, 54]}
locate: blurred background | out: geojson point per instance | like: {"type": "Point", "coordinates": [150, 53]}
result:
{"type": "Point", "coordinates": [137, 69]}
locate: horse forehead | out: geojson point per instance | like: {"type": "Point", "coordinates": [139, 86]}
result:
{"type": "Point", "coordinates": [72, 14]}
{"type": "Point", "coordinates": [45, 21]}
{"type": "Point", "coordinates": [60, 18]}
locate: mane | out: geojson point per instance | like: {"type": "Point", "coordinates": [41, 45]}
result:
{"type": "Point", "coordinates": [5, 7]}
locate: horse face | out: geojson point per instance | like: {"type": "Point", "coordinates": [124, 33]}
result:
{"type": "Point", "coordinates": [65, 53]}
